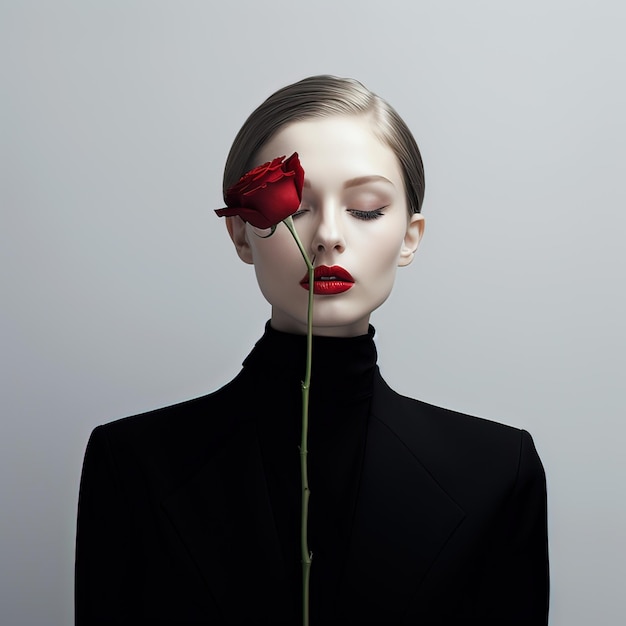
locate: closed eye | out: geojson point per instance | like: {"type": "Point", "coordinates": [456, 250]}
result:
{"type": "Point", "coordinates": [367, 215]}
{"type": "Point", "coordinates": [359, 214]}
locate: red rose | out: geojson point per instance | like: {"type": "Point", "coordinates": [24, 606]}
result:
{"type": "Point", "coordinates": [267, 194]}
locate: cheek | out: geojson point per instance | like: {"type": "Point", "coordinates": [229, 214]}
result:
{"type": "Point", "coordinates": [383, 256]}
{"type": "Point", "coordinates": [380, 266]}
{"type": "Point", "coordinates": [276, 259]}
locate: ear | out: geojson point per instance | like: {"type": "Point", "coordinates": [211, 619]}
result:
{"type": "Point", "coordinates": [412, 238]}
{"type": "Point", "coordinates": [237, 230]}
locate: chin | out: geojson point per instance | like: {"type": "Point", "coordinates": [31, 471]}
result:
{"type": "Point", "coordinates": [324, 324]}
{"type": "Point", "coordinates": [339, 316]}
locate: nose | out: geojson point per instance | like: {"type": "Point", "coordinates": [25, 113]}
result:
{"type": "Point", "coordinates": [328, 235]}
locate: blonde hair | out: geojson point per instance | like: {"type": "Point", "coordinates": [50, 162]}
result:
{"type": "Point", "coordinates": [326, 96]}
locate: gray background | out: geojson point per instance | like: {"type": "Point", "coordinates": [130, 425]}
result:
{"type": "Point", "coordinates": [121, 291]}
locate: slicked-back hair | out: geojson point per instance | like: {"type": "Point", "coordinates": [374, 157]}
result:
{"type": "Point", "coordinates": [327, 96]}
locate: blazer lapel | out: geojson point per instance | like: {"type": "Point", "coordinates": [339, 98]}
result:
{"type": "Point", "coordinates": [224, 518]}
{"type": "Point", "coordinates": [403, 519]}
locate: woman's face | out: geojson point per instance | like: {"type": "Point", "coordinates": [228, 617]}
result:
{"type": "Point", "coordinates": [353, 221]}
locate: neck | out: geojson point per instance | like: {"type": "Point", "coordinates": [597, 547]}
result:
{"type": "Point", "coordinates": [321, 327]}
{"type": "Point", "coordinates": [281, 356]}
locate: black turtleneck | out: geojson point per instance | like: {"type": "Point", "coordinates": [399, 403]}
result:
{"type": "Point", "coordinates": [341, 390]}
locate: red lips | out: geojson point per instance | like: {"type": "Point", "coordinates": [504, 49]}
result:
{"type": "Point", "coordinates": [329, 280]}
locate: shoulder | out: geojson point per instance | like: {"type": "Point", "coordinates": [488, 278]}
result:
{"type": "Point", "coordinates": [190, 415]}
{"type": "Point", "coordinates": [175, 438]}
{"type": "Point", "coordinates": [414, 415]}
{"type": "Point", "coordinates": [460, 450]}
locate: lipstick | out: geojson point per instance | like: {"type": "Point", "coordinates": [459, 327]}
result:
{"type": "Point", "coordinates": [329, 280]}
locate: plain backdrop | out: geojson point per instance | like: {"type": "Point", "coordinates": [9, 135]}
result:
{"type": "Point", "coordinates": [121, 292]}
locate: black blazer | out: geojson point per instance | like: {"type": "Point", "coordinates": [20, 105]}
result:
{"type": "Point", "coordinates": [175, 524]}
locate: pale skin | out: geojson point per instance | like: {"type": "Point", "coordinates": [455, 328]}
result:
{"type": "Point", "coordinates": [353, 214]}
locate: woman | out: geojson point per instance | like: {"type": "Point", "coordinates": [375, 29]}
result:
{"type": "Point", "coordinates": [418, 515]}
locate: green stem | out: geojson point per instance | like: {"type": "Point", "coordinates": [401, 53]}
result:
{"type": "Point", "coordinates": [306, 385]}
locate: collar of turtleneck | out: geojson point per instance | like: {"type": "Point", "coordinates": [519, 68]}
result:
{"type": "Point", "coordinates": [342, 382]}
{"type": "Point", "coordinates": [342, 367]}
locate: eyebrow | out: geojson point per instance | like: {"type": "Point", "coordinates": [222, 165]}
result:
{"type": "Point", "coordinates": [360, 180]}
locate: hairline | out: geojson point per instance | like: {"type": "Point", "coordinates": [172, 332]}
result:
{"type": "Point", "coordinates": [319, 97]}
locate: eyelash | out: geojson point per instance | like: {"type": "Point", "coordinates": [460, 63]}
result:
{"type": "Point", "coordinates": [360, 215]}
{"type": "Point", "coordinates": [367, 215]}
